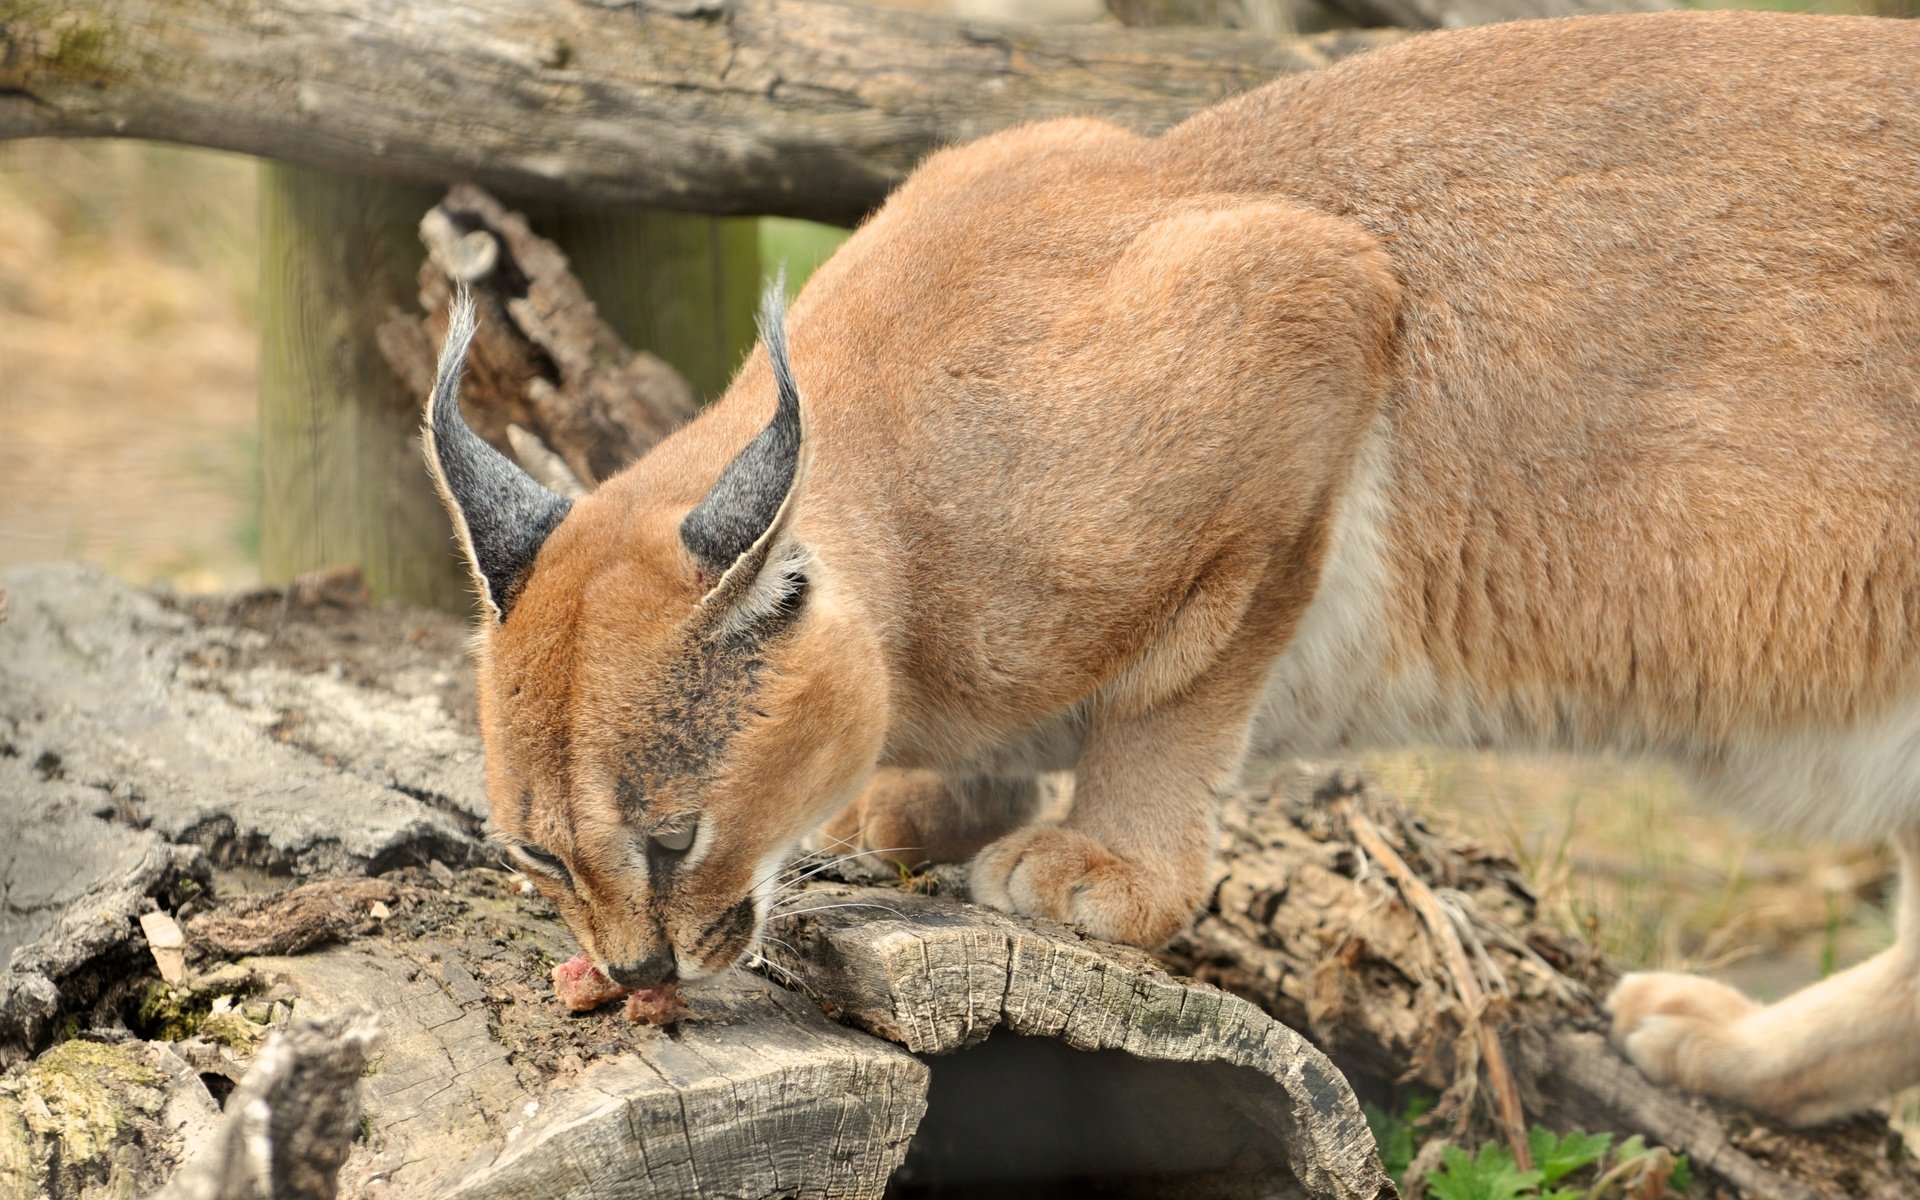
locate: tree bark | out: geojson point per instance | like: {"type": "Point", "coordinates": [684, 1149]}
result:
{"type": "Point", "coordinates": [542, 360]}
{"type": "Point", "coordinates": [787, 107]}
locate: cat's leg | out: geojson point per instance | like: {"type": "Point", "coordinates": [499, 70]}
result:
{"type": "Point", "coordinates": [1826, 1051]}
{"type": "Point", "coordinates": [1130, 863]}
{"type": "Point", "coordinates": [914, 817]}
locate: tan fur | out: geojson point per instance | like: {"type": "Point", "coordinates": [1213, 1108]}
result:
{"type": "Point", "coordinates": [1552, 384]}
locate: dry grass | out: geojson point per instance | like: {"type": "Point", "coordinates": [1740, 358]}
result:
{"type": "Point", "coordinates": [1621, 852]}
{"type": "Point", "coordinates": [128, 359]}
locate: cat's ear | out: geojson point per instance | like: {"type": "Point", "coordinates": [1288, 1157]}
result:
{"type": "Point", "coordinates": [737, 535]}
{"type": "Point", "coordinates": [502, 516]}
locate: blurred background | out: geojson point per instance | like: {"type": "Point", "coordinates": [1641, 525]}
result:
{"type": "Point", "coordinates": [129, 393]}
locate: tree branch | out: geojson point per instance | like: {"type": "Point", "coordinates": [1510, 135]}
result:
{"type": "Point", "coordinates": [795, 107]}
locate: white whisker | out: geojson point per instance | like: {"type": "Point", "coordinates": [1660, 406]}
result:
{"type": "Point", "coordinates": [806, 868]}
{"type": "Point", "coordinates": [820, 908]}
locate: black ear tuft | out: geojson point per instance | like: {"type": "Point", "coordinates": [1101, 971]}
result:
{"type": "Point", "coordinates": [748, 495]}
{"type": "Point", "coordinates": [502, 516]}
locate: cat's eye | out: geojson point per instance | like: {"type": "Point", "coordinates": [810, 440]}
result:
{"type": "Point", "coordinates": [541, 862]}
{"type": "Point", "coordinates": [678, 841]}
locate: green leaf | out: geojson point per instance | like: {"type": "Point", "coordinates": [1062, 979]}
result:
{"type": "Point", "coordinates": [1394, 1136]}
{"type": "Point", "coordinates": [1682, 1177]}
{"type": "Point", "coordinates": [1560, 1156]}
{"type": "Point", "coordinates": [1397, 1136]}
{"type": "Point", "coordinates": [1633, 1147]}
{"type": "Point", "coordinates": [1492, 1175]}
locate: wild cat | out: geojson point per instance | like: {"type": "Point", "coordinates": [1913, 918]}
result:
{"type": "Point", "coordinates": [1543, 385]}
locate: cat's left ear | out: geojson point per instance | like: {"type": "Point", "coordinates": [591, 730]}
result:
{"type": "Point", "coordinates": [738, 535]}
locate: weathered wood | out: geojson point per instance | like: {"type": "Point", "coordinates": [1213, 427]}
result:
{"type": "Point", "coordinates": [543, 359]}
{"type": "Point", "coordinates": [938, 976]}
{"type": "Point", "coordinates": [792, 107]}
{"type": "Point", "coordinates": [485, 1087]}
{"type": "Point", "coordinates": [310, 738]}
{"type": "Point", "coordinates": [551, 379]}
{"type": "Point", "coordinates": [292, 1122]}
{"type": "Point", "coordinates": [68, 926]}
{"type": "Point", "coordinates": [341, 478]}
{"type": "Point", "coordinates": [1305, 925]}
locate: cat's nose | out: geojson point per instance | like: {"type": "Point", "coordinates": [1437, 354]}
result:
{"type": "Point", "coordinates": [655, 970]}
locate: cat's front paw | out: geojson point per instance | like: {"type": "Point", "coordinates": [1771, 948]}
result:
{"type": "Point", "coordinates": [1064, 875]}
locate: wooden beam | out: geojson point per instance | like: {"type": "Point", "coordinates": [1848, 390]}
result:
{"type": "Point", "coordinates": [790, 107]}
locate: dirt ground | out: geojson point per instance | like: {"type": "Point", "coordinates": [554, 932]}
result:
{"type": "Point", "coordinates": [128, 369]}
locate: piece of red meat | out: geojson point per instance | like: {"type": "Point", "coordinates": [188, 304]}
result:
{"type": "Point", "coordinates": [656, 1006]}
{"type": "Point", "coordinates": [581, 987]}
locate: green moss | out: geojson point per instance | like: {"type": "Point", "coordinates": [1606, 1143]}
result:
{"type": "Point", "coordinates": [171, 1014]}
{"type": "Point", "coordinates": [81, 47]}
{"type": "Point", "coordinates": [84, 1087]}
{"type": "Point", "coordinates": [96, 1062]}
{"type": "Point", "coordinates": [175, 1012]}
{"type": "Point", "coordinates": [231, 1029]}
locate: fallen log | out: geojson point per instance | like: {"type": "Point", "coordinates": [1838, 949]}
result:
{"type": "Point", "coordinates": [1307, 922]}
{"type": "Point", "coordinates": [947, 1004]}
{"type": "Point", "coordinates": [212, 717]}
{"type": "Point", "coordinates": [784, 107]}
{"type": "Point", "coordinates": [485, 1087]}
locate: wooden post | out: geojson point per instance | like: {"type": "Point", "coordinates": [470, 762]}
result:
{"type": "Point", "coordinates": [798, 246]}
{"type": "Point", "coordinates": [341, 478]}
{"type": "Point", "coordinates": [681, 286]}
